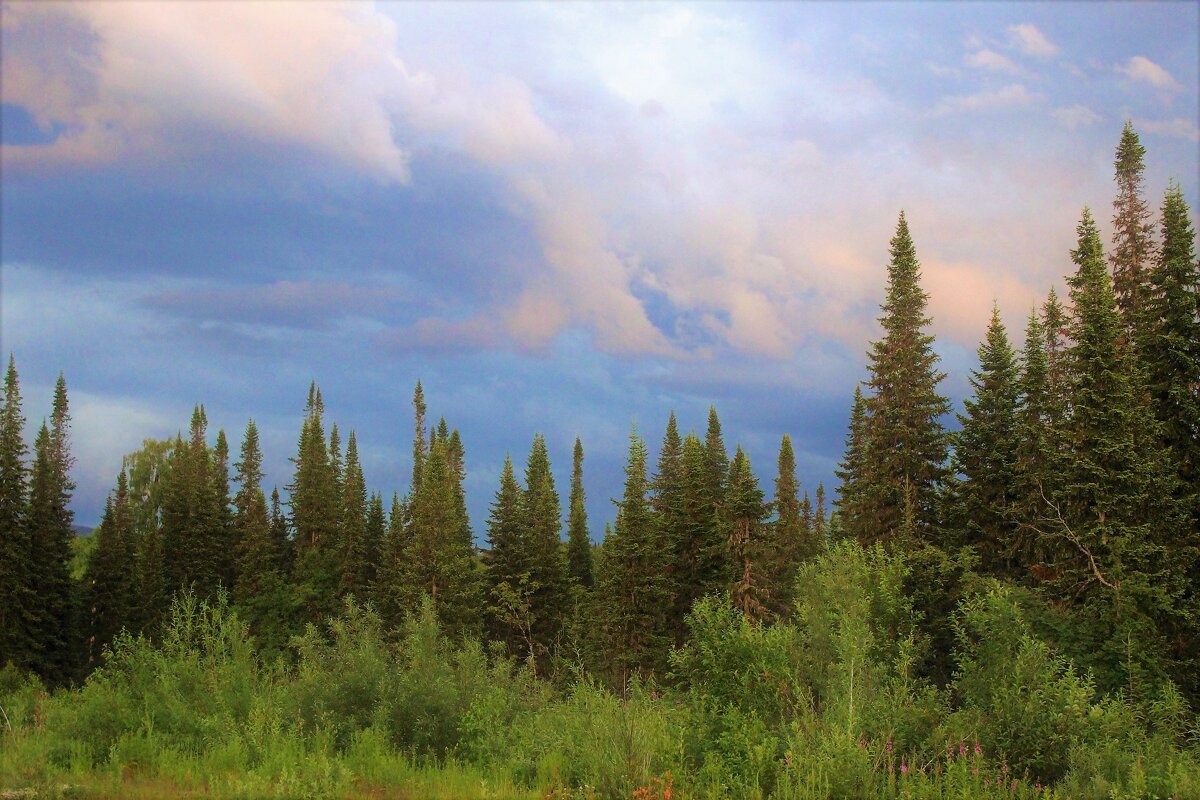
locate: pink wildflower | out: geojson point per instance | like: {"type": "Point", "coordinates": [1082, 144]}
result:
{"type": "Point", "coordinates": [862, 742]}
{"type": "Point", "coordinates": [978, 749]}
{"type": "Point", "coordinates": [903, 767]}
{"type": "Point", "coordinates": [1013, 786]}
{"type": "Point", "coordinates": [962, 748]}
{"type": "Point", "coordinates": [889, 745]}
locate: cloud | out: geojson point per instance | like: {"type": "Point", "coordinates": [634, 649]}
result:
{"type": "Point", "coordinates": [1012, 95]}
{"type": "Point", "coordinates": [1076, 116]}
{"type": "Point", "coordinates": [1179, 128]}
{"type": "Point", "coordinates": [991, 60]}
{"type": "Point", "coordinates": [299, 304]}
{"type": "Point", "coordinates": [1031, 41]}
{"type": "Point", "coordinates": [1142, 70]}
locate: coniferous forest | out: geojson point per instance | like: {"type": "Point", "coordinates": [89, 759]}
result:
{"type": "Point", "coordinates": [999, 603]}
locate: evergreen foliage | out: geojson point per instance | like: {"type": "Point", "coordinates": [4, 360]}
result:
{"type": "Point", "coordinates": [579, 541]}
{"type": "Point", "coordinates": [906, 445]}
{"type": "Point", "coordinates": [1132, 255]}
{"type": "Point", "coordinates": [18, 617]}
{"type": "Point", "coordinates": [111, 578]}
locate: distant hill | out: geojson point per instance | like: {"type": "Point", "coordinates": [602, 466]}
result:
{"type": "Point", "coordinates": [83, 530]}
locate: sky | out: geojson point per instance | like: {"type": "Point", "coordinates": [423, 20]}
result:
{"type": "Point", "coordinates": [562, 218]}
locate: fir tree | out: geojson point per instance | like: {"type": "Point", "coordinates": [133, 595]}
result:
{"type": "Point", "coordinates": [1133, 246]}
{"type": "Point", "coordinates": [224, 540]}
{"type": "Point", "coordinates": [419, 447]}
{"type": "Point", "coordinates": [906, 444]}
{"type": "Point", "coordinates": [51, 535]}
{"type": "Point", "coordinates": [542, 517]}
{"type": "Point", "coordinates": [985, 450]}
{"type": "Point", "coordinates": [699, 555]}
{"type": "Point", "coordinates": [18, 618]}
{"type": "Point", "coordinates": [390, 597]}
{"type": "Point", "coordinates": [632, 592]}
{"type": "Point", "coordinates": [579, 542]}
{"type": "Point", "coordinates": [667, 501]}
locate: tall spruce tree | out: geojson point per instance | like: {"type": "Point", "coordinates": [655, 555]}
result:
{"type": "Point", "coordinates": [667, 501]}
{"type": "Point", "coordinates": [390, 596]}
{"type": "Point", "coordinates": [986, 453]}
{"type": "Point", "coordinates": [1173, 357]}
{"type": "Point", "coordinates": [699, 555]}
{"type": "Point", "coordinates": [419, 443]}
{"type": "Point", "coordinates": [51, 535]}
{"type": "Point", "coordinates": [1132, 255]}
{"type": "Point", "coordinates": [906, 443]}
{"type": "Point", "coordinates": [789, 540]}
{"type": "Point", "coordinates": [1118, 512]}
{"type": "Point", "coordinates": [507, 561]}
{"type": "Point", "coordinates": [579, 541]}
{"type": "Point", "coordinates": [224, 534]}
{"type": "Point", "coordinates": [632, 591]}
{"type": "Point", "coordinates": [18, 618]}
{"type": "Point", "coordinates": [314, 502]}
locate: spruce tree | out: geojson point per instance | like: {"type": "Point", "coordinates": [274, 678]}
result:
{"type": "Point", "coordinates": [261, 594]}
{"type": "Point", "coordinates": [906, 443]}
{"type": "Point", "coordinates": [789, 539]}
{"type": "Point", "coordinates": [508, 563]}
{"type": "Point", "coordinates": [438, 562]}
{"type": "Point", "coordinates": [223, 533]}
{"type": "Point", "coordinates": [1118, 513]}
{"type": "Point", "coordinates": [542, 517]}
{"type": "Point", "coordinates": [373, 534]}
{"type": "Point", "coordinates": [986, 453]}
{"type": "Point", "coordinates": [579, 541]}
{"type": "Point", "coordinates": [18, 617]}
{"type": "Point", "coordinates": [51, 535]}
{"type": "Point", "coordinates": [1133, 244]}
{"type": "Point", "coordinates": [746, 513]}
{"type": "Point", "coordinates": [314, 501]}
{"type": "Point", "coordinates": [1039, 453]}
{"type": "Point", "coordinates": [356, 557]}
{"type": "Point", "coordinates": [632, 591]}
{"type": "Point", "coordinates": [1173, 356]}
{"type": "Point", "coordinates": [419, 444]}
{"type": "Point", "coordinates": [111, 577]}
{"type": "Point", "coordinates": [391, 599]}
{"type": "Point", "coordinates": [699, 556]}
{"type": "Point", "coordinates": [853, 472]}
{"type": "Point", "coordinates": [667, 501]}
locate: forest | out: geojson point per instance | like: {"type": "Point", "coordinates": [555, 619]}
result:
{"type": "Point", "coordinates": [1002, 603]}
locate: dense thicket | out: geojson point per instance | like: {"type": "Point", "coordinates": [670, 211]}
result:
{"type": "Point", "coordinates": [1030, 581]}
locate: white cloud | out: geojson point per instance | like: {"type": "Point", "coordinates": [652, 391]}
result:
{"type": "Point", "coordinates": [1076, 116]}
{"type": "Point", "coordinates": [1031, 41]}
{"type": "Point", "coordinates": [1014, 94]}
{"type": "Point", "coordinates": [991, 60]}
{"type": "Point", "coordinates": [1143, 70]}
{"type": "Point", "coordinates": [1179, 128]}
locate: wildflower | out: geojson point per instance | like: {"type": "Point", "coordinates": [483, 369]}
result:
{"type": "Point", "coordinates": [903, 767]}
{"type": "Point", "coordinates": [1037, 787]}
{"type": "Point", "coordinates": [962, 748]}
{"type": "Point", "coordinates": [889, 745]}
{"type": "Point", "coordinates": [978, 749]}
{"type": "Point", "coordinates": [1013, 786]}
{"type": "Point", "coordinates": [862, 742]}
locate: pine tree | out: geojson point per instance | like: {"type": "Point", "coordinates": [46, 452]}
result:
{"type": "Point", "coordinates": [632, 592]}
{"type": "Point", "coordinates": [699, 555]}
{"type": "Point", "coordinates": [390, 596]}
{"type": "Point", "coordinates": [195, 539]}
{"type": "Point", "coordinates": [18, 617]}
{"type": "Point", "coordinates": [374, 533]}
{"type": "Point", "coordinates": [1133, 245]}
{"type": "Point", "coordinates": [746, 512]}
{"type": "Point", "coordinates": [51, 535]}
{"type": "Point", "coordinates": [456, 457]}
{"type": "Point", "coordinates": [579, 542]}
{"type": "Point", "coordinates": [906, 444]}
{"type": "Point", "coordinates": [986, 452]}
{"type": "Point", "coordinates": [667, 501]}
{"type": "Point", "coordinates": [1058, 379]}
{"type": "Point", "coordinates": [111, 577]}
{"type": "Point", "coordinates": [223, 534]}
{"type": "Point", "coordinates": [419, 446]}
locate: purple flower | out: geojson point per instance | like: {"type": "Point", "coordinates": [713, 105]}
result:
{"type": "Point", "coordinates": [889, 745]}
{"type": "Point", "coordinates": [962, 748]}
{"type": "Point", "coordinates": [1013, 786]}
{"type": "Point", "coordinates": [978, 749]}
{"type": "Point", "coordinates": [903, 768]}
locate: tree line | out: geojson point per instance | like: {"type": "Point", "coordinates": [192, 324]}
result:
{"type": "Point", "coordinates": [1074, 473]}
